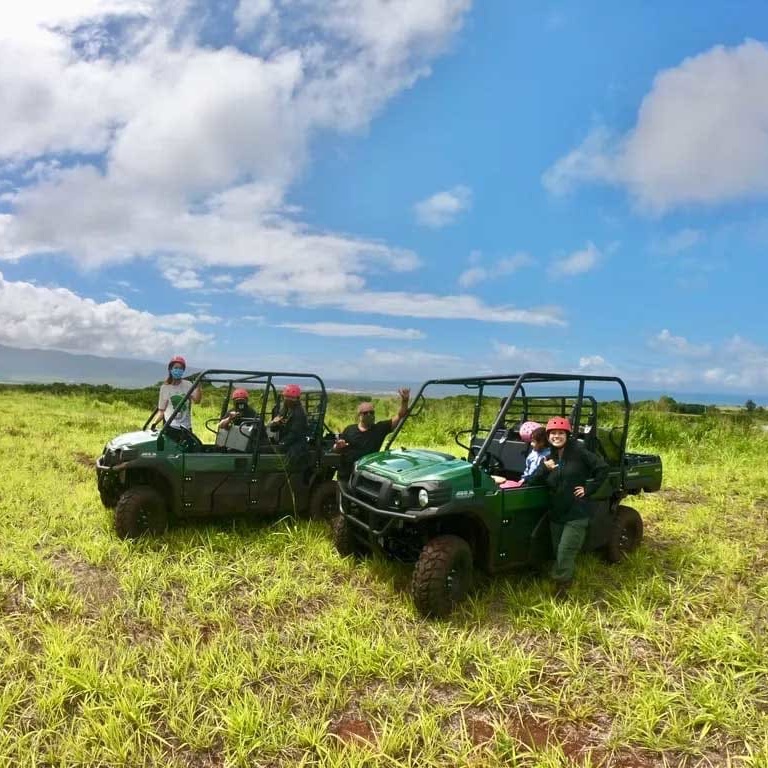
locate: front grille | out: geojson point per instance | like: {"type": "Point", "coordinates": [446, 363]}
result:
{"type": "Point", "coordinates": [378, 493]}
{"type": "Point", "coordinates": [366, 486]}
{"type": "Point", "coordinates": [381, 494]}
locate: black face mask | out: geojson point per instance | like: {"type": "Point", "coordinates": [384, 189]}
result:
{"type": "Point", "coordinates": [241, 405]}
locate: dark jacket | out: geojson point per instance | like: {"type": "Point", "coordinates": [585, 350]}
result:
{"type": "Point", "coordinates": [293, 438]}
{"type": "Point", "coordinates": [577, 466]}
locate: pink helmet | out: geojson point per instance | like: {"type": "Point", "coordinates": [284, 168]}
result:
{"type": "Point", "coordinates": [291, 390]}
{"type": "Point", "coordinates": [177, 359]}
{"type": "Point", "coordinates": [527, 429]}
{"type": "Point", "coordinates": [559, 422]}
{"type": "Point", "coordinates": [240, 394]}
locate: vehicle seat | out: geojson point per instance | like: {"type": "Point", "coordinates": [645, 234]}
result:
{"type": "Point", "coordinates": [510, 453]}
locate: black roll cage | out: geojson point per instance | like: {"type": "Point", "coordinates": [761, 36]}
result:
{"type": "Point", "coordinates": [517, 383]}
{"type": "Point", "coordinates": [235, 378]}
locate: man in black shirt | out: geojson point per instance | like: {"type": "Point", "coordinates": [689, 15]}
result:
{"type": "Point", "coordinates": [365, 437]}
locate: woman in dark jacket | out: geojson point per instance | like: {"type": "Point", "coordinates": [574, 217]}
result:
{"type": "Point", "coordinates": [572, 474]}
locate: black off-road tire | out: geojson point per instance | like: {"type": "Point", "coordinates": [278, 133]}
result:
{"type": "Point", "coordinates": [324, 504]}
{"type": "Point", "coordinates": [109, 492]}
{"type": "Point", "coordinates": [140, 509]}
{"type": "Point", "coordinates": [626, 534]}
{"type": "Point", "coordinates": [442, 576]}
{"type": "Point", "coordinates": [109, 498]}
{"type": "Point", "coordinates": [344, 539]}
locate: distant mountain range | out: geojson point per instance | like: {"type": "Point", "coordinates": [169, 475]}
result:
{"type": "Point", "coordinates": [19, 366]}
{"type": "Point", "coordinates": [45, 366]}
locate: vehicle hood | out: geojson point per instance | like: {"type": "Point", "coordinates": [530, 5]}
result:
{"type": "Point", "coordinates": [407, 466]}
{"type": "Point", "coordinates": [132, 440]}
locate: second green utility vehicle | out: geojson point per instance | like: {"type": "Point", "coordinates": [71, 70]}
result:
{"type": "Point", "coordinates": [150, 478]}
{"type": "Point", "coordinates": [448, 516]}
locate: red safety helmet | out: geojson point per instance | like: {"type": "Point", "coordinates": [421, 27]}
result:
{"type": "Point", "coordinates": [240, 394]}
{"type": "Point", "coordinates": [559, 422]}
{"type": "Point", "coordinates": [177, 359]}
{"type": "Point", "coordinates": [292, 390]}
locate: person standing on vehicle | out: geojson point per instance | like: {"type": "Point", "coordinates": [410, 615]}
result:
{"type": "Point", "coordinates": [358, 440]}
{"type": "Point", "coordinates": [292, 428]}
{"type": "Point", "coordinates": [241, 410]}
{"type": "Point", "coordinates": [572, 474]}
{"type": "Point", "coordinates": [172, 392]}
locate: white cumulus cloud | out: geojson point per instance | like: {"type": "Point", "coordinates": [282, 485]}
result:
{"type": "Point", "coordinates": [680, 241]}
{"type": "Point", "coordinates": [679, 345]}
{"type": "Point", "coordinates": [504, 266]}
{"type": "Point", "coordinates": [577, 262]}
{"type": "Point", "coordinates": [128, 135]}
{"type": "Point", "coordinates": [55, 318]}
{"type": "Point", "coordinates": [596, 365]}
{"type": "Point", "coordinates": [524, 357]}
{"type": "Point", "coordinates": [443, 208]}
{"type": "Point", "coordinates": [701, 136]}
{"type": "Point", "coordinates": [354, 330]}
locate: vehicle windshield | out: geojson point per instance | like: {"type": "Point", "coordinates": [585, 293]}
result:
{"type": "Point", "coordinates": [456, 416]}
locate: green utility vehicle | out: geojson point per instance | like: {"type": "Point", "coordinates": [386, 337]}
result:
{"type": "Point", "coordinates": [448, 515]}
{"type": "Point", "coordinates": [151, 478]}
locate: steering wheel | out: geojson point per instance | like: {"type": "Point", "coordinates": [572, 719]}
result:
{"type": "Point", "coordinates": [467, 432]}
{"type": "Point", "coordinates": [248, 422]}
{"type": "Point", "coordinates": [190, 440]}
{"type": "Point", "coordinates": [215, 421]}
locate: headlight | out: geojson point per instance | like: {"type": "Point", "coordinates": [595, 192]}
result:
{"type": "Point", "coordinates": [423, 498]}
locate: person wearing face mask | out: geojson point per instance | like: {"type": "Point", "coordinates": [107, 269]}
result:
{"type": "Point", "coordinates": [241, 410]}
{"type": "Point", "coordinates": [172, 392]}
{"type": "Point", "coordinates": [365, 437]}
{"type": "Point", "coordinates": [572, 474]}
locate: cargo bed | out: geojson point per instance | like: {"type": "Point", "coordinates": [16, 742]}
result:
{"type": "Point", "coordinates": [642, 472]}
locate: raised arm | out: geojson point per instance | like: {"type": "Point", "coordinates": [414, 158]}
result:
{"type": "Point", "coordinates": [405, 396]}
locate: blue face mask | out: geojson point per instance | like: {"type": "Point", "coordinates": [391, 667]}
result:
{"type": "Point", "coordinates": [177, 373]}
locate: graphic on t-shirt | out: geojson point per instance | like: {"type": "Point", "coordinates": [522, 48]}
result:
{"type": "Point", "coordinates": [176, 399]}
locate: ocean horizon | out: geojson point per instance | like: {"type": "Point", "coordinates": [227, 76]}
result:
{"type": "Point", "coordinates": [379, 388]}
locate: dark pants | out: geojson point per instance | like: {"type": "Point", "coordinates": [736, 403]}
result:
{"type": "Point", "coordinates": [567, 541]}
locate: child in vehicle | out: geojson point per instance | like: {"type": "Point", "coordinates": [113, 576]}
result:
{"type": "Point", "coordinates": [530, 432]}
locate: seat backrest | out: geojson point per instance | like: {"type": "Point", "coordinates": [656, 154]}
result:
{"type": "Point", "coordinates": [510, 453]}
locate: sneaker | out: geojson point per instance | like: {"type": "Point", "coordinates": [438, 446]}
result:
{"type": "Point", "coordinates": [562, 589]}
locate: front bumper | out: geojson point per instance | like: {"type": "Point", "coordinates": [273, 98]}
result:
{"type": "Point", "coordinates": [374, 520]}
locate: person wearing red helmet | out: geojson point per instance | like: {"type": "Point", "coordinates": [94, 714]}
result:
{"type": "Point", "coordinates": [172, 392]}
{"type": "Point", "coordinates": [572, 474]}
{"type": "Point", "coordinates": [358, 440]}
{"type": "Point", "coordinates": [240, 411]}
{"type": "Point", "coordinates": [292, 428]}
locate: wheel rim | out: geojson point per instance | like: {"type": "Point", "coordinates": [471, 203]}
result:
{"type": "Point", "coordinates": [626, 539]}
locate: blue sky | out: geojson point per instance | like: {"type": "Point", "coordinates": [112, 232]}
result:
{"type": "Point", "coordinates": [385, 190]}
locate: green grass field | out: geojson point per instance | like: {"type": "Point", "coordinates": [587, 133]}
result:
{"type": "Point", "coordinates": [255, 644]}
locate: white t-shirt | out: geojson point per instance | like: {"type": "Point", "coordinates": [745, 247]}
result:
{"type": "Point", "coordinates": [170, 396]}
